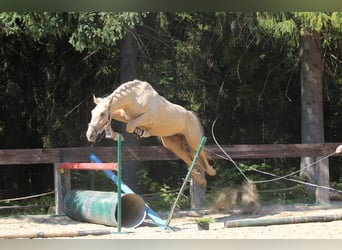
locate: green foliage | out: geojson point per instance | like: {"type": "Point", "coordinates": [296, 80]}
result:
{"type": "Point", "coordinates": [84, 30]}
{"type": "Point", "coordinates": [280, 26]}
{"type": "Point", "coordinates": [102, 28]}
{"type": "Point", "coordinates": [159, 184]}
{"type": "Point", "coordinates": [335, 20]}
{"type": "Point", "coordinates": [165, 199]}
{"type": "Point", "coordinates": [204, 220]}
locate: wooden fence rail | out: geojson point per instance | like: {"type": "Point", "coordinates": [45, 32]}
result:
{"type": "Point", "coordinates": [159, 153]}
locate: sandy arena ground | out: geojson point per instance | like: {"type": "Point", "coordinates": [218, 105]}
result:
{"type": "Point", "coordinates": [185, 227]}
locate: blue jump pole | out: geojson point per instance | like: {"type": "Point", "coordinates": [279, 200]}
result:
{"type": "Point", "coordinates": [152, 214]}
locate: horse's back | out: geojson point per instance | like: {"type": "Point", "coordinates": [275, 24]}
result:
{"type": "Point", "coordinates": [136, 87]}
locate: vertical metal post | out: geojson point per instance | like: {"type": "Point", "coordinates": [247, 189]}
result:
{"type": "Point", "coordinates": [186, 179]}
{"type": "Point", "coordinates": [119, 182]}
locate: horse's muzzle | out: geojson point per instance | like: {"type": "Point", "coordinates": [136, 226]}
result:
{"type": "Point", "coordinates": [93, 131]}
{"type": "Point", "coordinates": [91, 134]}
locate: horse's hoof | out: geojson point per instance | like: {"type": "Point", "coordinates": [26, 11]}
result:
{"type": "Point", "coordinates": [211, 171]}
{"type": "Point", "coordinates": [199, 179]}
{"type": "Point", "coordinates": [202, 182]}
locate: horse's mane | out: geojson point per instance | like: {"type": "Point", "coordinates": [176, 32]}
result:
{"type": "Point", "coordinates": [126, 88]}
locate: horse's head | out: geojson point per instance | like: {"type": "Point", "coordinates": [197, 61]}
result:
{"type": "Point", "coordinates": [100, 118]}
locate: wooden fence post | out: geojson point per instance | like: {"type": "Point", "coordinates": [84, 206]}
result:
{"type": "Point", "coordinates": [197, 194]}
{"type": "Point", "coordinates": [58, 189]}
{"type": "Point", "coordinates": [323, 194]}
{"type": "Point", "coordinates": [67, 181]}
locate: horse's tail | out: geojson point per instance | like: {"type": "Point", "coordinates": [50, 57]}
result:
{"type": "Point", "coordinates": [194, 122]}
{"type": "Point", "coordinates": [194, 133]}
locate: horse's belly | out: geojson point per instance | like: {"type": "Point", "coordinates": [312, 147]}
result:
{"type": "Point", "coordinates": [165, 129]}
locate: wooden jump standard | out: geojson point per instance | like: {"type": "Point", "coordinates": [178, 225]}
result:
{"type": "Point", "coordinates": [61, 188]}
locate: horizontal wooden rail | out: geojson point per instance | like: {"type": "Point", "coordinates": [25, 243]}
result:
{"type": "Point", "coordinates": [277, 150]}
{"type": "Point", "coordinates": [159, 153]}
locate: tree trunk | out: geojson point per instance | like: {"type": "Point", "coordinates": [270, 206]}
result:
{"type": "Point", "coordinates": [312, 127]}
{"type": "Point", "coordinates": [128, 72]}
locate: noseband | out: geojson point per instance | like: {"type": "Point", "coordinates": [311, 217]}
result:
{"type": "Point", "coordinates": [99, 131]}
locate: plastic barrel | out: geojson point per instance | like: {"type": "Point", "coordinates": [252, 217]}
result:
{"type": "Point", "coordinates": [101, 207]}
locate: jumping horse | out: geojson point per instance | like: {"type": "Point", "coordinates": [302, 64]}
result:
{"type": "Point", "coordinates": [146, 113]}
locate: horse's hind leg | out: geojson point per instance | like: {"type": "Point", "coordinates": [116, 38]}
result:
{"type": "Point", "coordinates": [202, 160]}
{"type": "Point", "coordinates": [176, 145]}
{"type": "Point", "coordinates": [193, 139]}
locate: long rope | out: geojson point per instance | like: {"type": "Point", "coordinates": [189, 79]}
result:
{"type": "Point", "coordinates": [301, 182]}
{"type": "Point", "coordinates": [27, 197]}
{"type": "Point", "coordinates": [225, 153]}
{"type": "Point", "coordinates": [227, 157]}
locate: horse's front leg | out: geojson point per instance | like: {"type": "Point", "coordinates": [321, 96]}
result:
{"type": "Point", "coordinates": [111, 134]}
{"type": "Point", "coordinates": [134, 126]}
{"type": "Point", "coordinates": [118, 115]}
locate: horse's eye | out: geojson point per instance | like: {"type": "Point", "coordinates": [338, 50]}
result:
{"type": "Point", "coordinates": [102, 114]}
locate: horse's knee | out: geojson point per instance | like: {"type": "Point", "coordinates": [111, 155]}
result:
{"type": "Point", "coordinates": [129, 128]}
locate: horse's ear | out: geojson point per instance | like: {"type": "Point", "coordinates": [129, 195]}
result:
{"type": "Point", "coordinates": [96, 100]}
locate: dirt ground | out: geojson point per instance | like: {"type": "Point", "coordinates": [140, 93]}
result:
{"type": "Point", "coordinates": [184, 226]}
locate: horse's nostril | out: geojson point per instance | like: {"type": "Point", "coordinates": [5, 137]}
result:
{"type": "Point", "coordinates": [92, 139]}
{"type": "Point", "coordinates": [93, 135]}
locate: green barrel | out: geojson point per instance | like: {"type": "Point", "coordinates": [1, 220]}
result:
{"type": "Point", "coordinates": [101, 207]}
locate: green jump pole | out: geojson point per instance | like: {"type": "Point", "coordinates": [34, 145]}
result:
{"type": "Point", "coordinates": [204, 139]}
{"type": "Point", "coordinates": [119, 181]}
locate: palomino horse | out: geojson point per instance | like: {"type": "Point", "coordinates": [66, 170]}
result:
{"type": "Point", "coordinates": [146, 113]}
